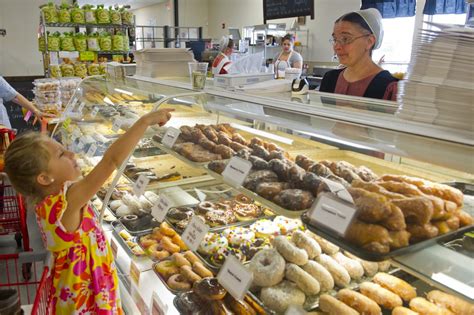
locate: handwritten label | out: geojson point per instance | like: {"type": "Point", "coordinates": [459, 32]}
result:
{"type": "Point", "coordinates": [92, 149]}
{"type": "Point", "coordinates": [236, 171]}
{"type": "Point", "coordinates": [134, 272]}
{"type": "Point", "coordinates": [333, 213]}
{"type": "Point", "coordinates": [194, 233]}
{"type": "Point", "coordinates": [170, 137]}
{"type": "Point", "coordinates": [94, 111]}
{"type": "Point", "coordinates": [140, 185]}
{"type": "Point", "coordinates": [235, 278]}
{"type": "Point", "coordinates": [81, 107]}
{"type": "Point", "coordinates": [114, 247]}
{"type": "Point", "coordinates": [116, 125]}
{"type": "Point", "coordinates": [160, 209]}
{"type": "Point", "coordinates": [158, 307]}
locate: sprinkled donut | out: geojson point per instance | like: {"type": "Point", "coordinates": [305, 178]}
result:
{"type": "Point", "coordinates": [213, 243]}
{"type": "Point", "coordinates": [237, 235]}
{"type": "Point", "coordinates": [265, 228]}
{"type": "Point", "coordinates": [287, 225]}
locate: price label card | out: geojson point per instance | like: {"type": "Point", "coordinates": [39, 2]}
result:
{"type": "Point", "coordinates": [114, 247]}
{"type": "Point", "coordinates": [69, 54]}
{"type": "Point", "coordinates": [91, 151]}
{"type": "Point", "coordinates": [94, 111]}
{"type": "Point", "coordinates": [235, 278]}
{"type": "Point", "coordinates": [333, 213]}
{"type": "Point", "coordinates": [158, 307]}
{"type": "Point", "coordinates": [81, 107]}
{"type": "Point", "coordinates": [194, 233]}
{"type": "Point", "coordinates": [338, 189]}
{"type": "Point", "coordinates": [116, 125]}
{"type": "Point", "coordinates": [170, 137]}
{"type": "Point", "coordinates": [236, 171]}
{"type": "Point", "coordinates": [160, 209]}
{"type": "Point", "coordinates": [140, 185]}
{"type": "Point", "coordinates": [134, 272]}
{"type": "Point", "coordinates": [66, 123]}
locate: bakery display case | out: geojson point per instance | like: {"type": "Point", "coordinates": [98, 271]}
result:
{"type": "Point", "coordinates": [244, 175]}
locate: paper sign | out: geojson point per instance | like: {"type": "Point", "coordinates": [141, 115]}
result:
{"type": "Point", "coordinates": [140, 185]}
{"type": "Point", "coordinates": [69, 54]}
{"type": "Point", "coordinates": [235, 278]}
{"type": "Point", "coordinates": [170, 137]}
{"type": "Point", "coordinates": [158, 307]}
{"type": "Point", "coordinates": [202, 196]}
{"type": "Point", "coordinates": [194, 233]}
{"type": "Point", "coordinates": [114, 247]}
{"type": "Point", "coordinates": [134, 272]}
{"type": "Point", "coordinates": [81, 107]}
{"type": "Point", "coordinates": [53, 58]}
{"type": "Point", "coordinates": [160, 209]}
{"type": "Point", "coordinates": [332, 212]}
{"type": "Point", "coordinates": [92, 149]}
{"type": "Point", "coordinates": [116, 125]}
{"type": "Point", "coordinates": [338, 189]}
{"type": "Point", "coordinates": [95, 111]}
{"type": "Point", "coordinates": [236, 171]}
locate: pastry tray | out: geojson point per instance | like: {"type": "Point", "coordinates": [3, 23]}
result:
{"type": "Point", "coordinates": [371, 256]}
{"type": "Point", "coordinates": [455, 243]}
{"type": "Point", "coordinates": [152, 223]}
{"type": "Point", "coordinates": [117, 227]}
{"type": "Point", "coordinates": [465, 188]}
{"type": "Point", "coordinates": [179, 156]}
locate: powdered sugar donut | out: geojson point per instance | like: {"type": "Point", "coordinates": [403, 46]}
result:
{"type": "Point", "coordinates": [268, 268]}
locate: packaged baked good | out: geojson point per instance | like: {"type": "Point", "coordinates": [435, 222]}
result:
{"type": "Point", "coordinates": [77, 15]}
{"type": "Point", "coordinates": [64, 13]}
{"type": "Point", "coordinates": [50, 13]}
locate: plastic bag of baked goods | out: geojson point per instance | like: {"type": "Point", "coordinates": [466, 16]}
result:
{"type": "Point", "coordinates": [102, 68]}
{"type": "Point", "coordinates": [93, 42]}
{"type": "Point", "coordinates": [50, 13]}
{"type": "Point", "coordinates": [67, 42]}
{"type": "Point", "coordinates": [80, 41]}
{"type": "Point", "coordinates": [77, 15]}
{"type": "Point", "coordinates": [117, 41]}
{"type": "Point", "coordinates": [54, 71]}
{"type": "Point", "coordinates": [80, 69]}
{"type": "Point", "coordinates": [65, 13]}
{"type": "Point", "coordinates": [93, 69]}
{"type": "Point", "coordinates": [127, 16]}
{"type": "Point", "coordinates": [67, 70]}
{"type": "Point", "coordinates": [102, 14]}
{"type": "Point", "coordinates": [105, 41]}
{"type": "Point", "coordinates": [115, 16]}
{"type": "Point", "coordinates": [54, 41]}
{"type": "Point", "coordinates": [42, 43]}
{"type": "Point", "coordinates": [90, 14]}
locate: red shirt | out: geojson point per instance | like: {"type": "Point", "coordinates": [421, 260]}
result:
{"type": "Point", "coordinates": [358, 88]}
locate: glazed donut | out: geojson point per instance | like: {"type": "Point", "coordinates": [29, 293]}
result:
{"type": "Point", "coordinates": [157, 252]}
{"type": "Point", "coordinates": [167, 244]}
{"type": "Point", "coordinates": [202, 271]}
{"type": "Point", "coordinates": [167, 230]}
{"type": "Point", "coordinates": [268, 268]}
{"type": "Point", "coordinates": [281, 296]}
{"type": "Point", "coordinates": [189, 274]}
{"type": "Point", "coordinates": [178, 282]}
{"type": "Point", "coordinates": [156, 234]}
{"type": "Point", "coordinates": [179, 241]}
{"type": "Point", "coordinates": [246, 212]}
{"type": "Point", "coordinates": [204, 207]}
{"type": "Point", "coordinates": [237, 235]}
{"type": "Point", "coordinates": [289, 251]}
{"type": "Point", "coordinates": [209, 289]}
{"type": "Point", "coordinates": [166, 268]}
{"type": "Point", "coordinates": [243, 199]}
{"type": "Point", "coordinates": [213, 243]}
{"type": "Point", "coordinates": [147, 241]}
{"type": "Point", "coordinates": [303, 280]}
{"type": "Point", "coordinates": [307, 243]}
{"type": "Point", "coordinates": [179, 260]}
{"type": "Point", "coordinates": [191, 257]}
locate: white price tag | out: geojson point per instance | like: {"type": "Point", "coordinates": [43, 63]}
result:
{"type": "Point", "coordinates": [114, 247]}
{"type": "Point", "coordinates": [194, 233]}
{"type": "Point", "coordinates": [94, 111]}
{"type": "Point", "coordinates": [235, 278]}
{"type": "Point", "coordinates": [170, 137]}
{"type": "Point", "coordinates": [91, 151]}
{"type": "Point", "coordinates": [236, 171]}
{"type": "Point", "coordinates": [53, 58]}
{"type": "Point", "coordinates": [81, 107]}
{"type": "Point", "coordinates": [158, 307]}
{"type": "Point", "coordinates": [333, 213]}
{"type": "Point", "coordinates": [140, 185]}
{"type": "Point", "coordinates": [116, 125]}
{"type": "Point", "coordinates": [160, 209]}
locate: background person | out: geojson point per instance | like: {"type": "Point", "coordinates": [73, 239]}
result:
{"type": "Point", "coordinates": [287, 58]}
{"type": "Point", "coordinates": [222, 62]}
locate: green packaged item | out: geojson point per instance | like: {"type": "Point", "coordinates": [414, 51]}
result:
{"type": "Point", "coordinates": [50, 13]}
{"type": "Point", "coordinates": [126, 43]}
{"type": "Point", "coordinates": [93, 69]}
{"type": "Point", "coordinates": [80, 41]}
{"type": "Point", "coordinates": [42, 43]}
{"type": "Point", "coordinates": [54, 71]}
{"type": "Point", "coordinates": [67, 70]}
{"type": "Point", "coordinates": [54, 41]}
{"type": "Point", "coordinates": [67, 42]}
{"type": "Point", "coordinates": [102, 14]}
{"type": "Point", "coordinates": [103, 68]}
{"type": "Point", "coordinates": [105, 41]}
{"type": "Point", "coordinates": [90, 14]}
{"type": "Point", "coordinates": [80, 69]}
{"type": "Point", "coordinates": [127, 16]}
{"type": "Point", "coordinates": [117, 41]}
{"type": "Point", "coordinates": [77, 15]}
{"type": "Point", "coordinates": [115, 16]}
{"type": "Point", "coordinates": [64, 13]}
{"type": "Point", "coordinates": [93, 42]}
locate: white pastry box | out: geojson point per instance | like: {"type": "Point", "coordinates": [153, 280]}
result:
{"type": "Point", "coordinates": [231, 80]}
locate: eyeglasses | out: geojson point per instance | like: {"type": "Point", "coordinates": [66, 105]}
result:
{"type": "Point", "coordinates": [345, 40]}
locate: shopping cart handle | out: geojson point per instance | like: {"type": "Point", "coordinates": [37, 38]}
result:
{"type": "Point", "coordinates": [33, 256]}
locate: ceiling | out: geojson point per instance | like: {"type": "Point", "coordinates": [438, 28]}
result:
{"type": "Point", "coordinates": [134, 4]}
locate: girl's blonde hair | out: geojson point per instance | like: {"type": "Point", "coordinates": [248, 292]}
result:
{"type": "Point", "coordinates": [25, 158]}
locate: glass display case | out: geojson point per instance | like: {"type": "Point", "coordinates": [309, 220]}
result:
{"type": "Point", "coordinates": [240, 161]}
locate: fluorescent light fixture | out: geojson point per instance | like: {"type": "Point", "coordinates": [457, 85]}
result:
{"type": "Point", "coordinates": [108, 101]}
{"type": "Point", "coordinates": [272, 26]}
{"type": "Point", "coordinates": [263, 134]}
{"type": "Point", "coordinates": [124, 92]}
{"type": "Point", "coordinates": [454, 284]}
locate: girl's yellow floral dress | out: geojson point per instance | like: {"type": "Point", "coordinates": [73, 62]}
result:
{"type": "Point", "coordinates": [84, 275]}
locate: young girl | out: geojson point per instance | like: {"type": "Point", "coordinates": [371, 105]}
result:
{"type": "Point", "coordinates": [84, 275]}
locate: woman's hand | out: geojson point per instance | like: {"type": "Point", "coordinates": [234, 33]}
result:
{"type": "Point", "coordinates": [40, 115]}
{"type": "Point", "coordinates": [159, 117]}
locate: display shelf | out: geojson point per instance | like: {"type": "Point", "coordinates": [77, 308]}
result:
{"type": "Point", "coordinates": [108, 26]}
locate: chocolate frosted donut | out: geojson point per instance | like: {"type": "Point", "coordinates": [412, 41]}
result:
{"type": "Point", "coordinates": [209, 289]}
{"type": "Point", "coordinates": [294, 199]}
{"type": "Point", "coordinates": [255, 178]}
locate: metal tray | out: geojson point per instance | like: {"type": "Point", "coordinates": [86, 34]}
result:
{"type": "Point", "coordinates": [370, 256]}
{"type": "Point", "coordinates": [117, 227]}
{"type": "Point", "coordinates": [454, 242]}
{"type": "Point", "coordinates": [148, 223]}
{"type": "Point", "coordinates": [465, 188]}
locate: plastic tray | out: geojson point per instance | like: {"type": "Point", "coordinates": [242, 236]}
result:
{"type": "Point", "coordinates": [370, 256]}
{"type": "Point", "coordinates": [117, 227]}
{"type": "Point", "coordinates": [147, 223]}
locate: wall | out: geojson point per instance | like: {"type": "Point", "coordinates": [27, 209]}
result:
{"type": "Point", "coordinates": [195, 13]}
{"type": "Point", "coordinates": [155, 15]}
